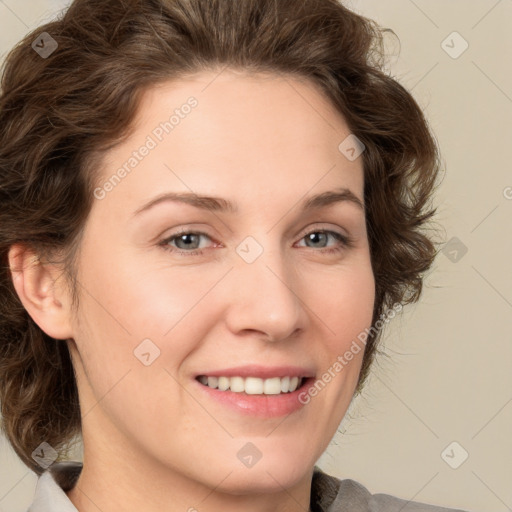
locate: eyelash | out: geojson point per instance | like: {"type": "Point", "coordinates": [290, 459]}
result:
{"type": "Point", "coordinates": [346, 242]}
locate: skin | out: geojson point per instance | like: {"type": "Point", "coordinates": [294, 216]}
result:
{"type": "Point", "coordinates": [152, 441]}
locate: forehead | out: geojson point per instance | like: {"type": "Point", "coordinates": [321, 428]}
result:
{"type": "Point", "coordinates": [263, 104]}
{"type": "Point", "coordinates": [249, 133]}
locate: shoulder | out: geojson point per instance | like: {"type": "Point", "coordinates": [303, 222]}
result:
{"type": "Point", "coordinates": [331, 494]}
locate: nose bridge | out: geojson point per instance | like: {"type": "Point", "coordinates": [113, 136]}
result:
{"type": "Point", "coordinates": [264, 297]}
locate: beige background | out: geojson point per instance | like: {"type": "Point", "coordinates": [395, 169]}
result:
{"type": "Point", "coordinates": [449, 378]}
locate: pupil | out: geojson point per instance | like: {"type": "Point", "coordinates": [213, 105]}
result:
{"type": "Point", "coordinates": [314, 236]}
{"type": "Point", "coordinates": [184, 238]}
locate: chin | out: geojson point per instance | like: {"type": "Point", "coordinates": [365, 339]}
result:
{"type": "Point", "coordinates": [265, 477]}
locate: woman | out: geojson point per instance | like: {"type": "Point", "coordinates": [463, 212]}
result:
{"type": "Point", "coordinates": [168, 168]}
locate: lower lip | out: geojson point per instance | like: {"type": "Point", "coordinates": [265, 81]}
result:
{"type": "Point", "coordinates": [267, 406]}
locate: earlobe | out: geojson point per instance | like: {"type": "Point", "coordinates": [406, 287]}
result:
{"type": "Point", "coordinates": [40, 288]}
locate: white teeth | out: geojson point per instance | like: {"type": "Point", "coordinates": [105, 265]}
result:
{"type": "Point", "coordinates": [271, 386]}
{"type": "Point", "coordinates": [236, 384]}
{"type": "Point", "coordinates": [223, 383]}
{"type": "Point", "coordinates": [253, 385]}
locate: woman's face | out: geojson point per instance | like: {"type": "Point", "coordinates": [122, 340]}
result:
{"type": "Point", "coordinates": [179, 289]}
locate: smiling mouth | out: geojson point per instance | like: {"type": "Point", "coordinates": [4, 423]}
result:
{"type": "Point", "coordinates": [253, 385]}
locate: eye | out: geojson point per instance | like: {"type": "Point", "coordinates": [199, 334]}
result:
{"type": "Point", "coordinates": [321, 236]}
{"type": "Point", "coordinates": [188, 242]}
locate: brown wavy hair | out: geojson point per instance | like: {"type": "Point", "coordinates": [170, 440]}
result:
{"type": "Point", "coordinates": [59, 114]}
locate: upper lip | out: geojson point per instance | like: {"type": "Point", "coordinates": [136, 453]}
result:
{"type": "Point", "coordinates": [262, 372]}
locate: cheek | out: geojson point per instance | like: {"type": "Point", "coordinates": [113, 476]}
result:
{"type": "Point", "coordinates": [137, 295]}
{"type": "Point", "coordinates": [345, 310]}
{"type": "Point", "coordinates": [112, 344]}
{"type": "Point", "coordinates": [133, 309]}
{"type": "Point", "coordinates": [343, 303]}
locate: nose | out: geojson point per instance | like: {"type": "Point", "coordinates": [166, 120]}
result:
{"type": "Point", "coordinates": [264, 297]}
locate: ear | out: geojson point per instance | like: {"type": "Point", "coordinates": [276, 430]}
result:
{"type": "Point", "coordinates": [42, 291]}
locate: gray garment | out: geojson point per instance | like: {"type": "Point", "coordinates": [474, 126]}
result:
{"type": "Point", "coordinates": [328, 494]}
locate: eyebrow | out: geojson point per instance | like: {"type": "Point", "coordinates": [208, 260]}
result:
{"type": "Point", "coordinates": [218, 204]}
